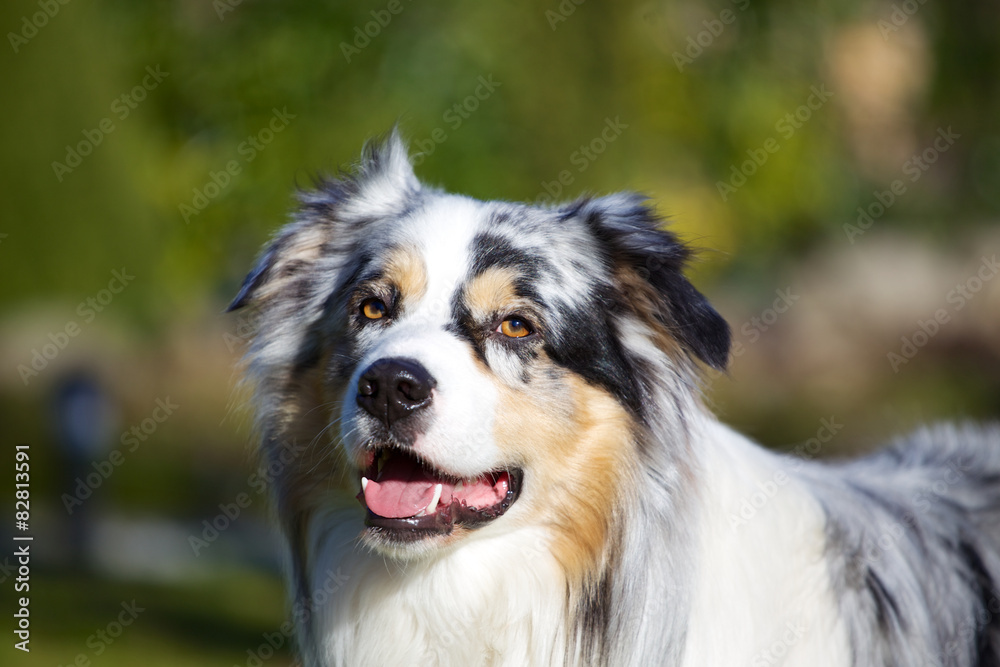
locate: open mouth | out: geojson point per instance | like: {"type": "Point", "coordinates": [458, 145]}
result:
{"type": "Point", "coordinates": [408, 499]}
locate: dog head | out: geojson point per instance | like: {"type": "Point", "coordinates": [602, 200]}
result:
{"type": "Point", "coordinates": [468, 367]}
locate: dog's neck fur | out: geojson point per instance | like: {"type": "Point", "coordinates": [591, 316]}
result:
{"type": "Point", "coordinates": [488, 602]}
{"type": "Point", "coordinates": [507, 601]}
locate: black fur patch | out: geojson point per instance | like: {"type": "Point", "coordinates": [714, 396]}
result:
{"type": "Point", "coordinates": [493, 250]}
{"type": "Point", "coordinates": [593, 620]}
{"type": "Point", "coordinates": [463, 326]}
{"type": "Point", "coordinates": [586, 341]}
{"type": "Point", "coordinates": [628, 229]}
{"type": "Point", "coordinates": [984, 589]}
{"type": "Point", "coordinates": [886, 609]}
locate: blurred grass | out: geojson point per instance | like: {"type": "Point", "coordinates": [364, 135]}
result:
{"type": "Point", "coordinates": [211, 622]}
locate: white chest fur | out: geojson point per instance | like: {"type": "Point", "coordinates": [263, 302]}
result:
{"type": "Point", "coordinates": [497, 602]}
{"type": "Point", "coordinates": [762, 595]}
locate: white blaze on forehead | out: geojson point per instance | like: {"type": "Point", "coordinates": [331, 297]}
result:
{"type": "Point", "coordinates": [443, 232]}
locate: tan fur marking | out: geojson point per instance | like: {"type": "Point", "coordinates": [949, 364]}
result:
{"type": "Point", "coordinates": [645, 302]}
{"type": "Point", "coordinates": [490, 291]}
{"type": "Point", "coordinates": [405, 269]}
{"type": "Point", "coordinates": [575, 440]}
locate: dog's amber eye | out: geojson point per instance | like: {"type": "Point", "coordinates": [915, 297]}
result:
{"type": "Point", "coordinates": [373, 309]}
{"type": "Point", "coordinates": [514, 327]}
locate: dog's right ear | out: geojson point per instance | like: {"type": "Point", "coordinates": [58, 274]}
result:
{"type": "Point", "coordinates": [381, 184]}
{"type": "Point", "coordinates": [654, 259]}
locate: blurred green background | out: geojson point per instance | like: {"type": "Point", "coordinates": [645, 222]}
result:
{"type": "Point", "coordinates": [839, 162]}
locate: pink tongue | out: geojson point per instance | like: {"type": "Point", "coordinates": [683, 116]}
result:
{"type": "Point", "coordinates": [405, 487]}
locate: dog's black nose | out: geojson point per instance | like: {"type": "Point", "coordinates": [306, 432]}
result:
{"type": "Point", "coordinates": [391, 389]}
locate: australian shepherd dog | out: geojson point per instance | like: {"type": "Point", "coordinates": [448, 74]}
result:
{"type": "Point", "coordinates": [487, 446]}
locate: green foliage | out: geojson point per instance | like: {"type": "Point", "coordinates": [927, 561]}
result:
{"type": "Point", "coordinates": [562, 70]}
{"type": "Point", "coordinates": [212, 622]}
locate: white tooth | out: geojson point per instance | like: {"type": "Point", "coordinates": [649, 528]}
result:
{"type": "Point", "coordinates": [364, 483]}
{"type": "Point", "coordinates": [460, 486]}
{"type": "Point", "coordinates": [432, 506]}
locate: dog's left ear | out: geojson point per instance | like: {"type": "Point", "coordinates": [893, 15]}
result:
{"type": "Point", "coordinates": [280, 267]}
{"type": "Point", "coordinates": [642, 252]}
